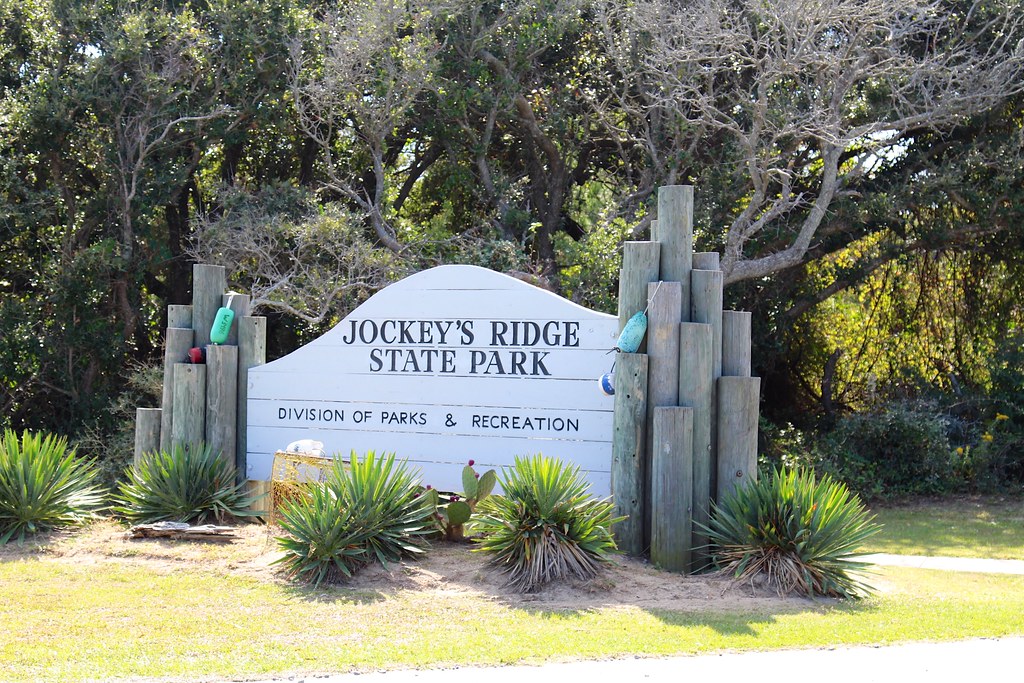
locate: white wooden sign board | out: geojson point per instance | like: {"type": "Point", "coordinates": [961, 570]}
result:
{"type": "Point", "coordinates": [453, 363]}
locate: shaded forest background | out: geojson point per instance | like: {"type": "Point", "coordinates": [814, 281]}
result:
{"type": "Point", "coordinates": [858, 164]}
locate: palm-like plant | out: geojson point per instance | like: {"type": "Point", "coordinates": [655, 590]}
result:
{"type": "Point", "coordinates": [43, 486]}
{"type": "Point", "coordinates": [187, 484]}
{"type": "Point", "coordinates": [800, 533]}
{"type": "Point", "coordinates": [325, 542]}
{"type": "Point", "coordinates": [367, 509]}
{"type": "Point", "coordinates": [386, 494]}
{"type": "Point", "coordinates": [545, 527]}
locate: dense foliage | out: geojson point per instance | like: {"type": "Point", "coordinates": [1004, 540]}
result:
{"type": "Point", "coordinates": [866, 211]}
{"type": "Point", "coordinates": [193, 484]}
{"type": "Point", "coordinates": [545, 527]}
{"type": "Point", "coordinates": [43, 485]}
{"type": "Point", "coordinates": [796, 532]}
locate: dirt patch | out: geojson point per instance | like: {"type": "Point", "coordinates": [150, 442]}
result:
{"type": "Point", "coordinates": [447, 569]}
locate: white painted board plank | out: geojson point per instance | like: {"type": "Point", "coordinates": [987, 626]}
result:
{"type": "Point", "coordinates": [453, 363]}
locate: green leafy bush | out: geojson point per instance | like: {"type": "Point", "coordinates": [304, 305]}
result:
{"type": "Point", "coordinates": [366, 510]}
{"type": "Point", "coordinates": [797, 532]}
{"type": "Point", "coordinates": [545, 527]}
{"type": "Point", "coordinates": [991, 458]}
{"type": "Point", "coordinates": [43, 486]}
{"type": "Point", "coordinates": [898, 450]}
{"type": "Point", "coordinates": [189, 484]}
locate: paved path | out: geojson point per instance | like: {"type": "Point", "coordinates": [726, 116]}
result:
{"type": "Point", "coordinates": [956, 564]}
{"type": "Point", "coordinates": [969, 660]}
{"type": "Point", "coordinates": [956, 662]}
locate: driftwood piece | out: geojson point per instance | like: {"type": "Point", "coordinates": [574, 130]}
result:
{"type": "Point", "coordinates": [181, 530]}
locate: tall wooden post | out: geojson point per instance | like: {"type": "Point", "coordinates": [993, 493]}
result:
{"type": "Point", "coordinates": [695, 390]}
{"type": "Point", "coordinates": [707, 308]}
{"type": "Point", "coordinates": [672, 483]}
{"type": "Point", "coordinates": [639, 267]}
{"type": "Point", "coordinates": [189, 426]}
{"type": "Point", "coordinates": [736, 343]}
{"type": "Point", "coordinates": [147, 431]}
{"type": "Point", "coordinates": [177, 342]}
{"type": "Point", "coordinates": [737, 432]}
{"type": "Point", "coordinates": [663, 369]}
{"type": "Point", "coordinates": [208, 285]}
{"type": "Point", "coordinates": [222, 400]}
{"type": "Point", "coordinates": [675, 233]}
{"type": "Point", "coordinates": [252, 351]}
{"type": "Point", "coordinates": [628, 471]}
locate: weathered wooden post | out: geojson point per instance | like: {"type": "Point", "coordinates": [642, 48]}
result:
{"type": "Point", "coordinates": [639, 267]}
{"type": "Point", "coordinates": [147, 431]}
{"type": "Point", "coordinates": [177, 342]}
{"type": "Point", "coordinates": [627, 472]}
{"type": "Point", "coordinates": [675, 233]}
{"type": "Point", "coordinates": [737, 432]}
{"type": "Point", "coordinates": [222, 400]}
{"type": "Point", "coordinates": [736, 343]}
{"type": "Point", "coordinates": [208, 285]}
{"type": "Point", "coordinates": [663, 309]}
{"type": "Point", "coordinates": [695, 391]}
{"type": "Point", "coordinates": [671, 486]}
{"type": "Point", "coordinates": [706, 307]}
{"type": "Point", "coordinates": [189, 426]}
{"type": "Point", "coordinates": [252, 351]}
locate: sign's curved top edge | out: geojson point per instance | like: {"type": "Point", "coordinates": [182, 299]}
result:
{"type": "Point", "coordinates": [445, 278]}
{"type": "Point", "coordinates": [460, 271]}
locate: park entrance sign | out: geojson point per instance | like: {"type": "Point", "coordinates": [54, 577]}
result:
{"type": "Point", "coordinates": [453, 363]}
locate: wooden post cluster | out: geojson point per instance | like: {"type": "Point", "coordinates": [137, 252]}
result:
{"type": "Point", "coordinates": [686, 407]}
{"type": "Point", "coordinates": [205, 401]}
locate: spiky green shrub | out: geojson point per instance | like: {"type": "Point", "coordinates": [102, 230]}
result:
{"type": "Point", "coordinates": [545, 527]}
{"type": "Point", "coordinates": [369, 509]}
{"type": "Point", "coordinates": [43, 485]}
{"type": "Point", "coordinates": [798, 533]}
{"type": "Point", "coordinates": [187, 484]}
{"type": "Point", "coordinates": [326, 541]}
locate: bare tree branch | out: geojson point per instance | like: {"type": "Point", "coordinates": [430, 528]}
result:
{"type": "Point", "coordinates": [796, 85]}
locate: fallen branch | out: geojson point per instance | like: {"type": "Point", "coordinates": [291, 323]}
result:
{"type": "Point", "coordinates": [181, 530]}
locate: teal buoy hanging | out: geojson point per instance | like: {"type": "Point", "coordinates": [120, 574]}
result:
{"type": "Point", "coordinates": [222, 322]}
{"type": "Point", "coordinates": [629, 341]}
{"type": "Point", "coordinates": [632, 334]}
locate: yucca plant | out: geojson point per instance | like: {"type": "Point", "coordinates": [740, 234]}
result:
{"type": "Point", "coordinates": [325, 542]}
{"type": "Point", "coordinates": [187, 484]}
{"type": "Point", "coordinates": [545, 527]}
{"type": "Point", "coordinates": [369, 509]}
{"type": "Point", "coordinates": [386, 494]}
{"type": "Point", "coordinates": [799, 533]}
{"type": "Point", "coordinates": [43, 485]}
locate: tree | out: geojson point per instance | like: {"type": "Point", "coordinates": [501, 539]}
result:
{"type": "Point", "coordinates": [809, 98]}
{"type": "Point", "coordinates": [354, 97]}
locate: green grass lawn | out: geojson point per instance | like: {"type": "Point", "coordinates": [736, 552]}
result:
{"type": "Point", "coordinates": [66, 621]}
{"type": "Point", "coordinates": [992, 528]}
{"type": "Point", "coordinates": [90, 605]}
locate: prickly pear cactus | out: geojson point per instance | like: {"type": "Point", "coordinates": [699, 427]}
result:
{"type": "Point", "coordinates": [454, 511]}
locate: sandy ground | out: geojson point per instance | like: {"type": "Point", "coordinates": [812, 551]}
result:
{"type": "Point", "coordinates": [446, 569]}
